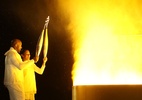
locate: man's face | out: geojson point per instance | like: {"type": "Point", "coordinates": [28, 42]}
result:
{"type": "Point", "coordinates": [19, 47]}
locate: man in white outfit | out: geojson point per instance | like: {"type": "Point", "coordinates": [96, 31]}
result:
{"type": "Point", "coordinates": [13, 76]}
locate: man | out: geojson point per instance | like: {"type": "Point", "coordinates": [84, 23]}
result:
{"type": "Point", "coordinates": [29, 75]}
{"type": "Point", "coordinates": [13, 76]}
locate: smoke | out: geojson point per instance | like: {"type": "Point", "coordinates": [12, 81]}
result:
{"type": "Point", "coordinates": [106, 39]}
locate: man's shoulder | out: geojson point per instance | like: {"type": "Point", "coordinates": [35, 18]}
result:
{"type": "Point", "coordinates": [11, 52]}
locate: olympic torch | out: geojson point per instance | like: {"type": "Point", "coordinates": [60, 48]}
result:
{"type": "Point", "coordinates": [43, 37]}
{"type": "Point", "coordinates": [45, 48]}
{"type": "Point", "coordinates": [39, 44]}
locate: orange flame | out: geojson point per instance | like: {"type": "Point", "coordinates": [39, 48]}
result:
{"type": "Point", "coordinates": [107, 41]}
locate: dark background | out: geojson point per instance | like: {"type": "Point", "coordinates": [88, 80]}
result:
{"type": "Point", "coordinates": [24, 19]}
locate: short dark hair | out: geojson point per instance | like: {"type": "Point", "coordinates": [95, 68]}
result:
{"type": "Point", "coordinates": [14, 42]}
{"type": "Point", "coordinates": [23, 51]}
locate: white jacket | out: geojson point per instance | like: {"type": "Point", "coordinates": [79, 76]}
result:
{"type": "Point", "coordinates": [13, 68]}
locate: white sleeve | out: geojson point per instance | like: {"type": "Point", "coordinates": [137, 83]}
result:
{"type": "Point", "coordinates": [17, 61]}
{"type": "Point", "coordinates": [39, 70]}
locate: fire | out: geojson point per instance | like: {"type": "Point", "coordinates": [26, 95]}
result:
{"type": "Point", "coordinates": [112, 60]}
{"type": "Point", "coordinates": [107, 41]}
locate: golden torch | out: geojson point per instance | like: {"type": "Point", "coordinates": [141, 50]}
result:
{"type": "Point", "coordinates": [43, 38]}
{"type": "Point", "coordinates": [45, 48]}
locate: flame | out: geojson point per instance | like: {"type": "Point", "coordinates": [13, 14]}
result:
{"type": "Point", "coordinates": [107, 41]}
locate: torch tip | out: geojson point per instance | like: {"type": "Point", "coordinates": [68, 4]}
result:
{"type": "Point", "coordinates": [47, 19]}
{"type": "Point", "coordinates": [46, 22]}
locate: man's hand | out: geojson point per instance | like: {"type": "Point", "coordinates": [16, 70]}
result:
{"type": "Point", "coordinates": [36, 58]}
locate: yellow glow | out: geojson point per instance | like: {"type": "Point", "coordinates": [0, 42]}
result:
{"type": "Point", "coordinates": [107, 41]}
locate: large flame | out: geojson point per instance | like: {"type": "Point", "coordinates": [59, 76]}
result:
{"type": "Point", "coordinates": [107, 41]}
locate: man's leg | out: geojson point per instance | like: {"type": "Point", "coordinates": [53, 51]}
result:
{"type": "Point", "coordinates": [15, 94]}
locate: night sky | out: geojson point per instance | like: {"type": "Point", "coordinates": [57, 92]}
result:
{"type": "Point", "coordinates": [24, 19]}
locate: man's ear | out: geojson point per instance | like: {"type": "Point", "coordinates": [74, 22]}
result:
{"type": "Point", "coordinates": [16, 45]}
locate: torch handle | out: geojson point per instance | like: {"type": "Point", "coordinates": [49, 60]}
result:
{"type": "Point", "coordinates": [39, 44]}
{"type": "Point", "coordinates": [45, 48]}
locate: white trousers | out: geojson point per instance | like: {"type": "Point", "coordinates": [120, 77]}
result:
{"type": "Point", "coordinates": [16, 91]}
{"type": "Point", "coordinates": [16, 94]}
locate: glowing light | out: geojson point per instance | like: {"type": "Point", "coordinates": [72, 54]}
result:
{"type": "Point", "coordinates": [107, 41]}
